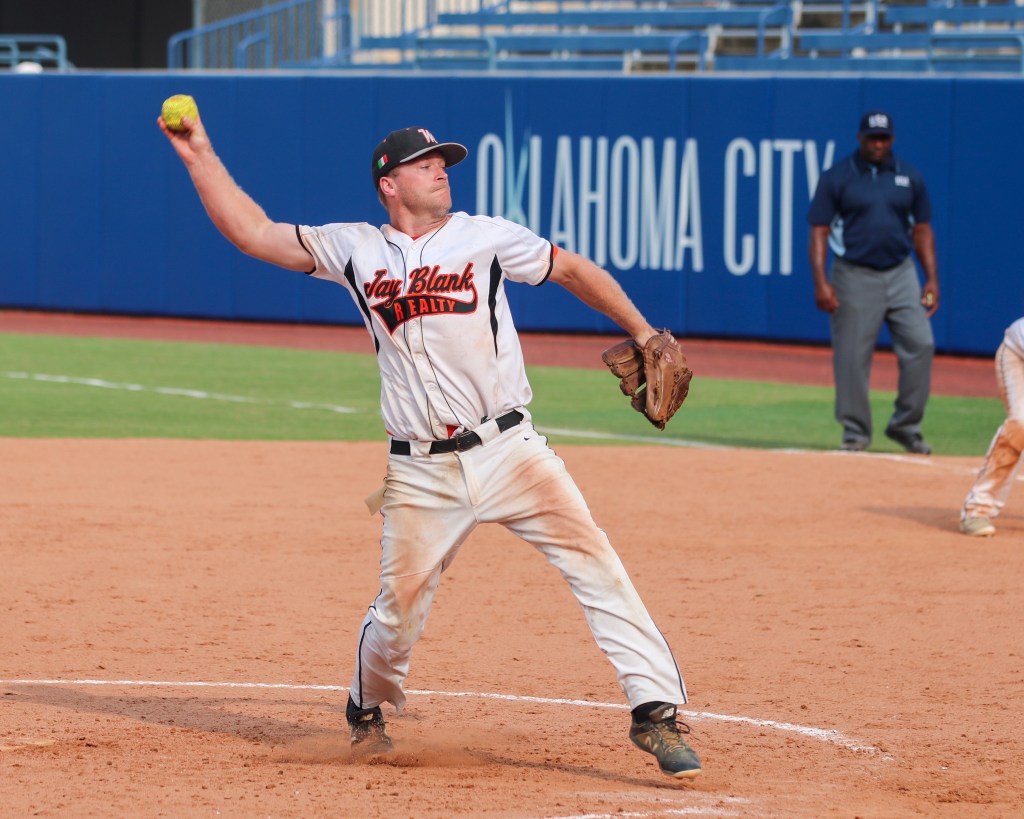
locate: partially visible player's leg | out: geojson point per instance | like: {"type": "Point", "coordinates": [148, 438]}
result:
{"type": "Point", "coordinates": [991, 489]}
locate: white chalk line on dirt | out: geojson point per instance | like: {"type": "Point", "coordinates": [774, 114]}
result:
{"type": "Point", "coordinates": [915, 460]}
{"type": "Point", "coordinates": [642, 805]}
{"type": "Point", "coordinates": [639, 439]}
{"type": "Point", "coordinates": [823, 734]}
{"type": "Point", "coordinates": [696, 810]}
{"type": "Point", "coordinates": [180, 392]}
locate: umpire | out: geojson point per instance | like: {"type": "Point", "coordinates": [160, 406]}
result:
{"type": "Point", "coordinates": [872, 209]}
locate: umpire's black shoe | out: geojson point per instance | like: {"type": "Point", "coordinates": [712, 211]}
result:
{"type": "Point", "coordinates": [369, 736]}
{"type": "Point", "coordinates": [910, 441]}
{"type": "Point", "coordinates": [659, 733]}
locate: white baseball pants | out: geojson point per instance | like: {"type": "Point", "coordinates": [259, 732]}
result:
{"type": "Point", "coordinates": [992, 487]}
{"type": "Point", "coordinates": [431, 504]}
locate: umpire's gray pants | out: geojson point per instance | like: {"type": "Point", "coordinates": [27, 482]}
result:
{"type": "Point", "coordinates": [868, 297]}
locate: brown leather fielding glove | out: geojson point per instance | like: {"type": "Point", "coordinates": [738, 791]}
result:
{"type": "Point", "coordinates": [654, 376]}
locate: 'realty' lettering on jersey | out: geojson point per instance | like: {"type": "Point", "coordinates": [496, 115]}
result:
{"type": "Point", "coordinates": [427, 295]}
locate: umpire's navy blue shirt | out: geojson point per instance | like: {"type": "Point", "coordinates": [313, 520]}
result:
{"type": "Point", "coordinates": [872, 209]}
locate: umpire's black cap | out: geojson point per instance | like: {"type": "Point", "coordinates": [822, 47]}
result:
{"type": "Point", "coordinates": [408, 143]}
{"type": "Point", "coordinates": [876, 123]}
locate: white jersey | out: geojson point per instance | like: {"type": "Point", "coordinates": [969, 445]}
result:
{"type": "Point", "coordinates": [435, 306]}
{"type": "Point", "coordinates": [1014, 337]}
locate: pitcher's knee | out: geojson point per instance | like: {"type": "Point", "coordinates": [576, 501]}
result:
{"type": "Point", "coordinates": [1013, 432]}
{"type": "Point", "coordinates": [401, 609]}
{"type": "Point", "coordinates": [394, 637]}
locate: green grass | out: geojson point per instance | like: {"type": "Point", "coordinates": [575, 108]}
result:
{"type": "Point", "coordinates": [53, 387]}
{"type": "Point", "coordinates": [271, 378]}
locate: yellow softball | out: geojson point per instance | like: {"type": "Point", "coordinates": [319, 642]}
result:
{"type": "Point", "coordinates": [176, 107]}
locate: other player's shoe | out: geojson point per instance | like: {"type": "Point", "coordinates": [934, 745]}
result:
{"type": "Point", "coordinates": [369, 736]}
{"type": "Point", "coordinates": [910, 441]}
{"type": "Point", "coordinates": [977, 526]}
{"type": "Point", "coordinates": [659, 733]}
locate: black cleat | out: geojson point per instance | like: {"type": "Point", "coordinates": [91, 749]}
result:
{"type": "Point", "coordinates": [910, 441]}
{"type": "Point", "coordinates": [369, 735]}
{"type": "Point", "coordinates": [660, 734]}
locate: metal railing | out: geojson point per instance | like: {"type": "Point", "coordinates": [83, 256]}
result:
{"type": "Point", "coordinates": [45, 50]}
{"type": "Point", "coordinates": [293, 33]}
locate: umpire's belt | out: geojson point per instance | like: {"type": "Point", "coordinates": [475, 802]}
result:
{"type": "Point", "coordinates": [460, 443]}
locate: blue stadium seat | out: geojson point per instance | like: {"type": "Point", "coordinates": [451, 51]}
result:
{"type": "Point", "coordinates": [845, 41]}
{"type": "Point", "coordinates": [959, 14]}
{"type": "Point", "coordinates": [818, 65]}
{"type": "Point", "coordinates": [689, 17]}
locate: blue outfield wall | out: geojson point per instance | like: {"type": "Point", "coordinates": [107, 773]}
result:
{"type": "Point", "coordinates": [693, 191]}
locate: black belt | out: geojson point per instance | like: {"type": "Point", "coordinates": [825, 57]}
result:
{"type": "Point", "coordinates": [460, 443]}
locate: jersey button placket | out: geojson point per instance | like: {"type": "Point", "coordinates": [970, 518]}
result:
{"type": "Point", "coordinates": [416, 344]}
{"type": "Point", "coordinates": [419, 355]}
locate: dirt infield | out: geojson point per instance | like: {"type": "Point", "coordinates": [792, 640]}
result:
{"type": "Point", "coordinates": [181, 618]}
{"type": "Point", "coordinates": [834, 597]}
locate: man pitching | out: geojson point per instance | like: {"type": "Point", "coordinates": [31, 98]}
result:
{"type": "Point", "coordinates": [430, 286]}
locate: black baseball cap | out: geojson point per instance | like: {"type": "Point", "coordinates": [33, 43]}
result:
{"type": "Point", "coordinates": [876, 123]}
{"type": "Point", "coordinates": [409, 143]}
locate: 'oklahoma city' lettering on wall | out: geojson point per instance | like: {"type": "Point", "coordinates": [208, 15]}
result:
{"type": "Point", "coordinates": [636, 202]}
